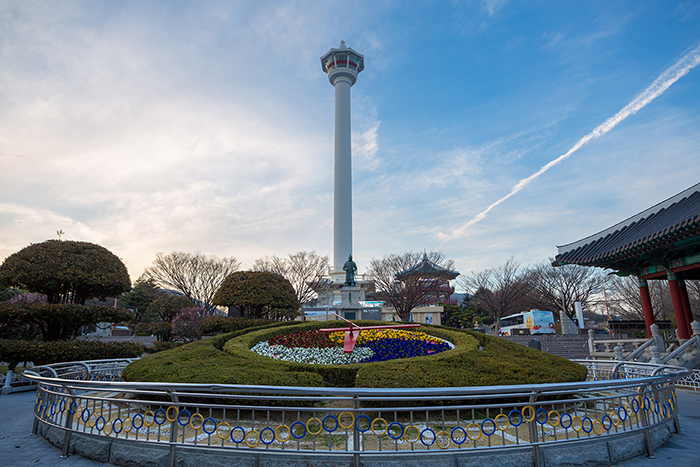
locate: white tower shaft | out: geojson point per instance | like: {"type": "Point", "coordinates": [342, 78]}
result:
{"type": "Point", "coordinates": [342, 204]}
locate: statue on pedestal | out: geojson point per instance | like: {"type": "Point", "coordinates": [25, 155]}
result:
{"type": "Point", "coordinates": [350, 269]}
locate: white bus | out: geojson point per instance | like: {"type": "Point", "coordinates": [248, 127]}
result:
{"type": "Point", "coordinates": [536, 321]}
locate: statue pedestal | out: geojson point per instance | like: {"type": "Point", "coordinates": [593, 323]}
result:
{"type": "Point", "coordinates": [350, 307]}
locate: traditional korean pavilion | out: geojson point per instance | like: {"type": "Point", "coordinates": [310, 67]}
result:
{"type": "Point", "coordinates": [436, 277]}
{"type": "Point", "coordinates": [660, 243]}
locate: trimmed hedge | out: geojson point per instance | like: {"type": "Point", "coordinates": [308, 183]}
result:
{"type": "Point", "coordinates": [42, 353]}
{"type": "Point", "coordinates": [224, 324]}
{"type": "Point", "coordinates": [477, 360]}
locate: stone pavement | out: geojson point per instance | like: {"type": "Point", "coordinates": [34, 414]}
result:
{"type": "Point", "coordinates": [19, 448]}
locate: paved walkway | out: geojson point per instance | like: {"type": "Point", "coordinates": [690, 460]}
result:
{"type": "Point", "coordinates": [19, 448]}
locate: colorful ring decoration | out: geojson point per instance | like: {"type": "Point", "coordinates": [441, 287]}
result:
{"type": "Point", "coordinates": [171, 418]}
{"type": "Point", "coordinates": [538, 416]}
{"type": "Point", "coordinates": [357, 421]}
{"type": "Point", "coordinates": [443, 435]}
{"type": "Point", "coordinates": [323, 423]}
{"type": "Point", "coordinates": [531, 417]}
{"type": "Point", "coordinates": [62, 406]}
{"type": "Point", "coordinates": [483, 428]}
{"type": "Point", "coordinates": [262, 436]}
{"type": "Point", "coordinates": [553, 415]}
{"type": "Point", "coordinates": [500, 417]}
{"type": "Point", "coordinates": [427, 430]}
{"type": "Point", "coordinates": [121, 425]}
{"type": "Point", "coordinates": [463, 436]}
{"type": "Point", "coordinates": [647, 403]}
{"type": "Point", "coordinates": [610, 422]}
{"type": "Point", "coordinates": [256, 436]}
{"type": "Point", "coordinates": [152, 417]}
{"type": "Point", "coordinates": [155, 416]}
{"type": "Point", "coordinates": [665, 412]}
{"type": "Point", "coordinates": [657, 407]}
{"type": "Point", "coordinates": [204, 425]}
{"type": "Point", "coordinates": [179, 417]}
{"type": "Point", "coordinates": [52, 409]}
{"type": "Point", "coordinates": [635, 405]}
{"type": "Point", "coordinates": [519, 414]}
{"type": "Point", "coordinates": [226, 426]}
{"type": "Point", "coordinates": [127, 424]}
{"type": "Point", "coordinates": [614, 418]}
{"type": "Point", "coordinates": [92, 420]}
{"type": "Point", "coordinates": [97, 423]}
{"type": "Point", "coordinates": [622, 413]}
{"type": "Point", "coordinates": [85, 415]}
{"type": "Point", "coordinates": [570, 420]}
{"type": "Point", "coordinates": [590, 423]}
{"type": "Point", "coordinates": [469, 429]}
{"type": "Point", "coordinates": [200, 421]}
{"type": "Point", "coordinates": [599, 424]}
{"type": "Point", "coordinates": [379, 420]}
{"type": "Point", "coordinates": [107, 430]}
{"type": "Point", "coordinates": [392, 424]}
{"type": "Point", "coordinates": [283, 439]}
{"type": "Point", "coordinates": [291, 430]}
{"type": "Point", "coordinates": [412, 439]}
{"type": "Point", "coordinates": [308, 426]}
{"type": "Point", "coordinates": [576, 423]}
{"type": "Point", "coordinates": [133, 421]}
{"type": "Point", "coordinates": [352, 422]}
{"type": "Point", "coordinates": [237, 440]}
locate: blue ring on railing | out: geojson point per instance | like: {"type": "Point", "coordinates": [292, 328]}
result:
{"type": "Point", "coordinates": [519, 413]}
{"type": "Point", "coordinates": [204, 425]}
{"type": "Point", "coordinates": [114, 425]}
{"type": "Point", "coordinates": [452, 435]}
{"type": "Point", "coordinates": [52, 409]}
{"type": "Point", "coordinates": [546, 416]}
{"type": "Point", "coordinates": [602, 421]}
{"type": "Point", "coordinates": [323, 423]}
{"type": "Point", "coordinates": [583, 424]}
{"type": "Point", "coordinates": [635, 405]}
{"type": "Point", "coordinates": [238, 440]}
{"type": "Point", "coordinates": [388, 430]}
{"type": "Point", "coordinates": [621, 410]}
{"type": "Point", "coordinates": [561, 420]}
{"type": "Point", "coordinates": [666, 409]}
{"type": "Point", "coordinates": [46, 410]}
{"type": "Point", "coordinates": [291, 429]}
{"type": "Point", "coordinates": [73, 407]}
{"type": "Point", "coordinates": [647, 403]}
{"type": "Point", "coordinates": [97, 423]}
{"type": "Point", "coordinates": [421, 437]}
{"type": "Point", "coordinates": [494, 426]}
{"type": "Point", "coordinates": [369, 423]}
{"type": "Point", "coordinates": [155, 416]}
{"type": "Point", "coordinates": [263, 431]}
{"type": "Point", "coordinates": [133, 421]}
{"type": "Point", "coordinates": [62, 406]}
{"type": "Point", "coordinates": [657, 407]}
{"type": "Point", "coordinates": [83, 417]}
{"type": "Point", "coordinates": [189, 416]}
{"type": "Point", "coordinates": [38, 402]}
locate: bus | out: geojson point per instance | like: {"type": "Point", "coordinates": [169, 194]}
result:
{"type": "Point", "coordinates": [537, 321]}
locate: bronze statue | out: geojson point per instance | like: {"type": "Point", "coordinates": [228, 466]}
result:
{"type": "Point", "coordinates": [350, 269]}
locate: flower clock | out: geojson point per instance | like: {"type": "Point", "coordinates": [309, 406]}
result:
{"type": "Point", "coordinates": [374, 345]}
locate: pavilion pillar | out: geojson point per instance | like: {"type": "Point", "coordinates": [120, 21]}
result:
{"type": "Point", "coordinates": [686, 304]}
{"type": "Point", "coordinates": [678, 310]}
{"type": "Point", "coordinates": [646, 305]}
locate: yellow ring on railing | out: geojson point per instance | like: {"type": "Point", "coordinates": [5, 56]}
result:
{"type": "Point", "coordinates": [532, 413]}
{"type": "Point", "coordinates": [91, 423]}
{"type": "Point", "coordinates": [125, 427]}
{"type": "Point", "coordinates": [277, 433]}
{"type": "Point", "coordinates": [497, 417]}
{"type": "Point", "coordinates": [153, 419]}
{"type": "Point", "coordinates": [107, 430]}
{"type": "Point", "coordinates": [412, 440]}
{"type": "Point", "coordinates": [551, 415]}
{"type": "Point", "coordinates": [167, 414]}
{"type": "Point", "coordinates": [628, 408]}
{"type": "Point", "coordinates": [380, 420]}
{"type": "Point", "coordinates": [574, 420]}
{"type": "Point", "coordinates": [437, 439]}
{"type": "Point", "coordinates": [308, 428]}
{"type": "Point", "coordinates": [602, 428]}
{"type": "Point", "coordinates": [223, 424]}
{"type": "Point", "coordinates": [615, 418]}
{"type": "Point", "coordinates": [252, 432]}
{"type": "Point", "coordinates": [477, 427]}
{"type": "Point", "coordinates": [200, 418]}
{"type": "Point", "coordinates": [352, 423]}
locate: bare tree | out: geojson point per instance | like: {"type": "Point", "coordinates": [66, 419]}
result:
{"type": "Point", "coordinates": [196, 276]}
{"type": "Point", "coordinates": [561, 287]}
{"type": "Point", "coordinates": [413, 289]}
{"type": "Point", "coordinates": [624, 298]}
{"type": "Point", "coordinates": [694, 296]}
{"type": "Point", "coordinates": [302, 270]}
{"type": "Point", "coordinates": [500, 290]}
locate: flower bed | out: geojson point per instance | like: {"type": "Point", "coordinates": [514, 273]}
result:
{"type": "Point", "coordinates": [372, 346]}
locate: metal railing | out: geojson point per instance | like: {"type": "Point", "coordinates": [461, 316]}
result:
{"type": "Point", "coordinates": [90, 398]}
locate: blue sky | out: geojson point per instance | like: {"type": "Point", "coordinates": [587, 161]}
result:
{"type": "Point", "coordinates": [208, 126]}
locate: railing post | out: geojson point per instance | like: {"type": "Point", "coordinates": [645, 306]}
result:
{"type": "Point", "coordinates": [69, 425]}
{"type": "Point", "coordinates": [356, 434]}
{"type": "Point", "coordinates": [532, 426]}
{"type": "Point", "coordinates": [647, 435]}
{"type": "Point", "coordinates": [7, 387]}
{"type": "Point", "coordinates": [656, 334]}
{"type": "Point", "coordinates": [173, 429]}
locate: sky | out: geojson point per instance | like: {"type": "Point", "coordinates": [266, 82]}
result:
{"type": "Point", "coordinates": [159, 126]}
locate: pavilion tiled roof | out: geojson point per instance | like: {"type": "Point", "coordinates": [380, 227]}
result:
{"type": "Point", "coordinates": [652, 235]}
{"type": "Point", "coordinates": [427, 268]}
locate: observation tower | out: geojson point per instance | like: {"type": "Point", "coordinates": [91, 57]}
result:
{"type": "Point", "coordinates": [342, 66]}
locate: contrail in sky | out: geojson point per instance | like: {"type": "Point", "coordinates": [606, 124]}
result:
{"type": "Point", "coordinates": [683, 65]}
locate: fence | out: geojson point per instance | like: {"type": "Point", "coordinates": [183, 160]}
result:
{"type": "Point", "coordinates": [87, 400]}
